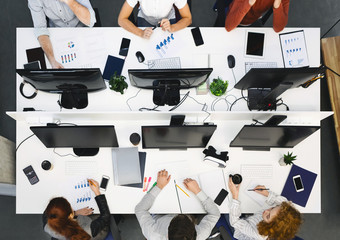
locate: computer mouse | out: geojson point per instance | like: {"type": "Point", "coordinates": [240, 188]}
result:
{"type": "Point", "coordinates": [140, 57]}
{"type": "Point", "coordinates": [231, 61]}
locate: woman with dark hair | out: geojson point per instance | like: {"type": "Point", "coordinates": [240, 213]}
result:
{"type": "Point", "coordinates": [280, 222]}
{"type": "Point", "coordinates": [61, 222]}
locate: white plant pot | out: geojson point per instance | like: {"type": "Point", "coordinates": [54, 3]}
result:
{"type": "Point", "coordinates": [282, 162]}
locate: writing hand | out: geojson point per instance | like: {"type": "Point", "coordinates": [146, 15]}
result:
{"type": "Point", "coordinates": [165, 24]}
{"type": "Point", "coordinates": [94, 185]}
{"type": "Point", "coordinates": [191, 185]}
{"type": "Point", "coordinates": [147, 32]}
{"type": "Point", "coordinates": [163, 178]}
{"type": "Point", "coordinates": [262, 192]}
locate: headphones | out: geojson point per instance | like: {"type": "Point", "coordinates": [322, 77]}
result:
{"type": "Point", "coordinates": [22, 92]}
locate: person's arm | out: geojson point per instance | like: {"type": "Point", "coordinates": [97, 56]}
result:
{"type": "Point", "coordinates": [238, 9]}
{"type": "Point", "coordinates": [272, 198]}
{"type": "Point", "coordinates": [85, 14]}
{"type": "Point", "coordinates": [46, 45]}
{"type": "Point", "coordinates": [124, 22]}
{"type": "Point", "coordinates": [280, 14]}
{"type": "Point", "coordinates": [185, 21]}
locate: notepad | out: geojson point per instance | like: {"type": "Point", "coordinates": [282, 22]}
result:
{"type": "Point", "coordinates": [126, 167]}
{"type": "Point", "coordinates": [113, 64]}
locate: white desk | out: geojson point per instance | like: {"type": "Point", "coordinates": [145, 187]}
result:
{"type": "Point", "coordinates": [218, 43]}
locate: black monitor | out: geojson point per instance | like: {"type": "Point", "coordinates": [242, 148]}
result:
{"type": "Point", "coordinates": [166, 83]}
{"type": "Point", "coordinates": [73, 84]}
{"type": "Point", "coordinates": [262, 137]}
{"type": "Point", "coordinates": [177, 137]}
{"type": "Point", "coordinates": [85, 140]}
{"type": "Point", "coordinates": [264, 85]}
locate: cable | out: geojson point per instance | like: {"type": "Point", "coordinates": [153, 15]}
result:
{"type": "Point", "coordinates": [131, 98]}
{"type": "Point", "coordinates": [232, 70]}
{"type": "Point", "coordinates": [235, 102]}
{"type": "Point", "coordinates": [182, 100]}
{"type": "Point", "coordinates": [23, 141]}
{"type": "Point", "coordinates": [331, 28]}
{"type": "Point", "coordinates": [331, 70]}
{"type": "Point", "coordinates": [149, 109]}
{"type": "Point", "coordinates": [69, 154]}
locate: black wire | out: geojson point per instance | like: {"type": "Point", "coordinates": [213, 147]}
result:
{"type": "Point", "coordinates": [23, 141]}
{"type": "Point", "coordinates": [231, 106]}
{"type": "Point", "coordinates": [331, 70]}
{"type": "Point", "coordinates": [331, 28]}
{"type": "Point", "coordinates": [180, 103]}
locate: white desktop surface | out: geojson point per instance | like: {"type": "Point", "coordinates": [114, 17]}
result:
{"type": "Point", "coordinates": [218, 44]}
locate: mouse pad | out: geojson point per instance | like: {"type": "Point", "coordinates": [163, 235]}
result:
{"type": "Point", "coordinates": [113, 64]}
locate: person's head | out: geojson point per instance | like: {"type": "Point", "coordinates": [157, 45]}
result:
{"type": "Point", "coordinates": [281, 222]}
{"type": "Point", "coordinates": [60, 218]}
{"type": "Point", "coordinates": [182, 228]}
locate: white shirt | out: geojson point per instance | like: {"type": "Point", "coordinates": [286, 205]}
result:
{"type": "Point", "coordinates": [154, 11]}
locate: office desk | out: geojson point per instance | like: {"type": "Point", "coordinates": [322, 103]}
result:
{"type": "Point", "coordinates": [97, 43]}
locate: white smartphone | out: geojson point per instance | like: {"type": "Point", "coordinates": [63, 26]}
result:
{"type": "Point", "coordinates": [298, 183]}
{"type": "Point", "coordinates": [104, 182]}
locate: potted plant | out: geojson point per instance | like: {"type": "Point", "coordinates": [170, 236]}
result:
{"type": "Point", "coordinates": [287, 159]}
{"type": "Point", "coordinates": [218, 87]}
{"type": "Point", "coordinates": [117, 83]}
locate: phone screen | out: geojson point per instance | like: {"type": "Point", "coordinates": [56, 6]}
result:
{"type": "Point", "coordinates": [298, 183]}
{"type": "Point", "coordinates": [104, 182]}
{"type": "Point", "coordinates": [255, 44]}
{"type": "Point", "coordinates": [196, 34]}
{"type": "Point", "coordinates": [124, 47]}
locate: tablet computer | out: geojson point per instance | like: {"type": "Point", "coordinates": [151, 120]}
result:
{"type": "Point", "coordinates": [255, 44]}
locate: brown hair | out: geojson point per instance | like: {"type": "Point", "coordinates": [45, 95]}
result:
{"type": "Point", "coordinates": [182, 228]}
{"type": "Point", "coordinates": [58, 211]}
{"type": "Point", "coordinates": [284, 226]}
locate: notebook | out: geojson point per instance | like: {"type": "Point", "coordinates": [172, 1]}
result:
{"type": "Point", "coordinates": [113, 64]}
{"type": "Point", "coordinates": [142, 160]}
{"type": "Point", "coordinates": [126, 167]}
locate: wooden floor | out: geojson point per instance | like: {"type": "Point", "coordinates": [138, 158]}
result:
{"type": "Point", "coordinates": [331, 56]}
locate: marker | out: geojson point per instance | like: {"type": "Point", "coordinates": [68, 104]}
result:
{"type": "Point", "coordinates": [152, 186]}
{"type": "Point", "coordinates": [182, 190]}
{"type": "Point", "coordinates": [259, 189]}
{"type": "Point", "coordinates": [147, 185]}
{"type": "Point", "coordinates": [92, 183]}
{"type": "Point", "coordinates": [144, 183]}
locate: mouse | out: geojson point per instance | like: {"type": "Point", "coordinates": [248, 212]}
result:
{"type": "Point", "coordinates": [140, 57]}
{"type": "Point", "coordinates": [231, 61]}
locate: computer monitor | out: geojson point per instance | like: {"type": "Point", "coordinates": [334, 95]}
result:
{"type": "Point", "coordinates": [262, 137]}
{"type": "Point", "coordinates": [177, 137]}
{"type": "Point", "coordinates": [264, 85]}
{"type": "Point", "coordinates": [85, 140]}
{"type": "Point", "coordinates": [73, 84]}
{"type": "Point", "coordinates": [166, 83]}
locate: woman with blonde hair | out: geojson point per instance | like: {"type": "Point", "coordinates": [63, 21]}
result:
{"type": "Point", "coordinates": [280, 222]}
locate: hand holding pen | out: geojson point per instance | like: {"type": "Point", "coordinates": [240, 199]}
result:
{"type": "Point", "coordinates": [261, 189]}
{"type": "Point", "coordinates": [94, 185]}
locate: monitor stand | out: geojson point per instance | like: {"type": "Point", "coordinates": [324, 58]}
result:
{"type": "Point", "coordinates": [166, 92]}
{"type": "Point", "coordinates": [74, 97]}
{"type": "Point", "coordinates": [85, 152]}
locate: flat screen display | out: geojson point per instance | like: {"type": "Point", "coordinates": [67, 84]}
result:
{"type": "Point", "coordinates": [76, 136]}
{"type": "Point", "coordinates": [272, 136]}
{"type": "Point", "coordinates": [190, 136]}
{"type": "Point", "coordinates": [255, 44]}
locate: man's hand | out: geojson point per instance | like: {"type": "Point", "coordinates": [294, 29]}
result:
{"type": "Point", "coordinates": [56, 64]}
{"type": "Point", "coordinates": [234, 189]}
{"type": "Point", "coordinates": [277, 3]}
{"type": "Point", "coordinates": [165, 24]}
{"type": "Point", "coordinates": [84, 212]}
{"type": "Point", "coordinates": [147, 32]}
{"type": "Point", "coordinates": [163, 178]}
{"type": "Point", "coordinates": [262, 192]}
{"type": "Point", "coordinates": [252, 2]}
{"type": "Point", "coordinates": [191, 185]}
{"type": "Point", "coordinates": [94, 185]}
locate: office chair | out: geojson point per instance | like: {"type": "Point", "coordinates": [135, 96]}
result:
{"type": "Point", "coordinates": [222, 9]}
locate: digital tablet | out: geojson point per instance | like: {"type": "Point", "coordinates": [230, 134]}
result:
{"type": "Point", "coordinates": [255, 44]}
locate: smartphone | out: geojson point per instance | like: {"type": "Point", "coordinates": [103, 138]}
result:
{"type": "Point", "coordinates": [124, 47]}
{"type": "Point", "coordinates": [31, 175]}
{"type": "Point", "coordinates": [104, 182]}
{"type": "Point", "coordinates": [221, 196]}
{"type": "Point", "coordinates": [255, 44]}
{"type": "Point", "coordinates": [196, 34]}
{"type": "Point", "coordinates": [298, 183]}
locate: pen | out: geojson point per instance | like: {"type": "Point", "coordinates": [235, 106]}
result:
{"type": "Point", "coordinates": [92, 183]}
{"type": "Point", "coordinates": [152, 186]}
{"type": "Point", "coordinates": [259, 189]}
{"type": "Point", "coordinates": [158, 25]}
{"type": "Point", "coordinates": [144, 184]}
{"type": "Point", "coordinates": [182, 190]}
{"type": "Point", "coordinates": [147, 185]}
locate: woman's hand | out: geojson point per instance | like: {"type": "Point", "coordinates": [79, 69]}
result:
{"type": "Point", "coordinates": [165, 24]}
{"type": "Point", "coordinates": [262, 192]}
{"type": "Point", "coordinates": [163, 178]}
{"type": "Point", "coordinates": [252, 2]}
{"type": "Point", "coordinates": [234, 189]}
{"type": "Point", "coordinates": [191, 185]}
{"type": "Point", "coordinates": [94, 185]}
{"type": "Point", "coordinates": [83, 212]}
{"type": "Point", "coordinates": [277, 3]}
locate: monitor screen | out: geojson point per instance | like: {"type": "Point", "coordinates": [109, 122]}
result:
{"type": "Point", "coordinates": [59, 80]}
{"type": "Point", "coordinates": [265, 137]}
{"type": "Point", "coordinates": [167, 137]}
{"type": "Point", "coordinates": [76, 136]}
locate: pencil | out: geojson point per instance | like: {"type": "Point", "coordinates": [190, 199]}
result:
{"type": "Point", "coordinates": [259, 189]}
{"type": "Point", "coordinates": [92, 183]}
{"type": "Point", "coordinates": [182, 190]}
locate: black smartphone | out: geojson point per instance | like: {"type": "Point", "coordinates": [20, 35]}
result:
{"type": "Point", "coordinates": [31, 175]}
{"type": "Point", "coordinates": [221, 196]}
{"type": "Point", "coordinates": [196, 34]}
{"type": "Point", "coordinates": [124, 47]}
{"type": "Point", "coordinates": [104, 182]}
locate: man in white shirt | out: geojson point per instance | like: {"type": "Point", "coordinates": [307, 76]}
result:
{"type": "Point", "coordinates": [60, 13]}
{"type": "Point", "coordinates": [152, 13]}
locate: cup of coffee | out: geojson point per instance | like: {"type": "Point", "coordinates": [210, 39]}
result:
{"type": "Point", "coordinates": [46, 165]}
{"type": "Point", "coordinates": [236, 178]}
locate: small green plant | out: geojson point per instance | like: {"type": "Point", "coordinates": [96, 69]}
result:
{"type": "Point", "coordinates": [289, 158]}
{"type": "Point", "coordinates": [218, 87]}
{"type": "Point", "coordinates": [117, 83]}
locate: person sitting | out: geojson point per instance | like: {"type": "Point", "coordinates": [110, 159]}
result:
{"type": "Point", "coordinates": [152, 13]}
{"type": "Point", "coordinates": [246, 12]}
{"type": "Point", "coordinates": [60, 13]}
{"type": "Point", "coordinates": [61, 222]}
{"type": "Point", "coordinates": [280, 222]}
{"type": "Point", "coordinates": [173, 226]}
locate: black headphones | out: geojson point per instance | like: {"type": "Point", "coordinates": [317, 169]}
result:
{"type": "Point", "coordinates": [22, 92]}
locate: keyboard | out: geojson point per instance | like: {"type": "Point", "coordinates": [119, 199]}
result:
{"type": "Point", "coordinates": [250, 65]}
{"type": "Point", "coordinates": [87, 168]}
{"type": "Point", "coordinates": [251, 171]}
{"type": "Point", "coordinates": [165, 63]}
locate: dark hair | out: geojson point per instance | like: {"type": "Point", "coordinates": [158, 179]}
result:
{"type": "Point", "coordinates": [182, 228]}
{"type": "Point", "coordinates": [284, 226]}
{"type": "Point", "coordinates": [58, 211]}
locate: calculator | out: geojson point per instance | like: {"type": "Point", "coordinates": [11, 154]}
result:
{"type": "Point", "coordinates": [31, 175]}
